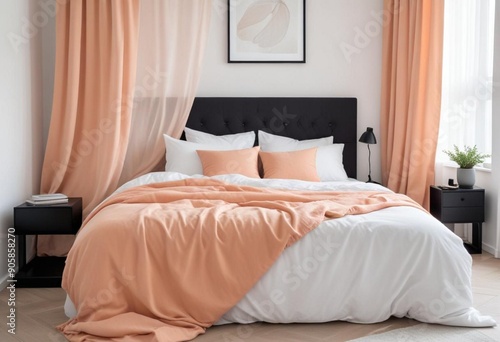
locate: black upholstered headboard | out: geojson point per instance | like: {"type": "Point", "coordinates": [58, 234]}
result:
{"type": "Point", "coordinates": [295, 117]}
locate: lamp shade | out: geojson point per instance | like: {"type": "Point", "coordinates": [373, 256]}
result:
{"type": "Point", "coordinates": [368, 137]}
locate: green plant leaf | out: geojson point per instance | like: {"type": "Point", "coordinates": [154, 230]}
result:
{"type": "Point", "coordinates": [466, 158]}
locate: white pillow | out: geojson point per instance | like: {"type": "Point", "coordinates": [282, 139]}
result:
{"type": "Point", "coordinates": [275, 143]}
{"type": "Point", "coordinates": [329, 156]}
{"type": "Point", "coordinates": [238, 140]}
{"type": "Point", "coordinates": [182, 157]}
{"type": "Point", "coordinates": [329, 163]}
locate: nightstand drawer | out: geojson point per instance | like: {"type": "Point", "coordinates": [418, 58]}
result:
{"type": "Point", "coordinates": [460, 215]}
{"type": "Point", "coordinates": [48, 219]}
{"type": "Point", "coordinates": [462, 199]}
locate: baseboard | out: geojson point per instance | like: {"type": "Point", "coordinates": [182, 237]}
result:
{"type": "Point", "coordinates": [490, 249]}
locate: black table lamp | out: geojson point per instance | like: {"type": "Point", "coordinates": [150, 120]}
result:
{"type": "Point", "coordinates": [368, 138]}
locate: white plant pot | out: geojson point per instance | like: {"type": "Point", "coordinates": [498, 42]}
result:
{"type": "Point", "coordinates": [466, 178]}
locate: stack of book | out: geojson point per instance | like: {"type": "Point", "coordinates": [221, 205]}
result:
{"type": "Point", "coordinates": [47, 199]}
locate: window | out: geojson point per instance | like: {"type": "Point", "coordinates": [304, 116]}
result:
{"type": "Point", "coordinates": [466, 104]}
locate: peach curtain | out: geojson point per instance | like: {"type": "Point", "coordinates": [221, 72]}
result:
{"type": "Point", "coordinates": [126, 72]}
{"type": "Point", "coordinates": [96, 56]}
{"type": "Point", "coordinates": [411, 94]}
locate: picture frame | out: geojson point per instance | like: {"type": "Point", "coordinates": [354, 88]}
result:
{"type": "Point", "coordinates": [272, 31]}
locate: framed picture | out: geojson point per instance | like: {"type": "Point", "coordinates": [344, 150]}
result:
{"type": "Point", "coordinates": [266, 31]}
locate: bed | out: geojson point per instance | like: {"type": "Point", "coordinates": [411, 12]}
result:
{"type": "Point", "coordinates": [330, 249]}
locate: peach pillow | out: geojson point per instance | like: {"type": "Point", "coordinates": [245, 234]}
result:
{"type": "Point", "coordinates": [243, 162]}
{"type": "Point", "coordinates": [291, 165]}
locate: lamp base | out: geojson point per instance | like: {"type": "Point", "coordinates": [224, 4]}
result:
{"type": "Point", "coordinates": [370, 180]}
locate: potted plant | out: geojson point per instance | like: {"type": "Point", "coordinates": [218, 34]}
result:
{"type": "Point", "coordinates": [466, 160]}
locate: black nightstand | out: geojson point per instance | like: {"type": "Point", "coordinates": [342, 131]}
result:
{"type": "Point", "coordinates": [55, 219]}
{"type": "Point", "coordinates": [460, 206]}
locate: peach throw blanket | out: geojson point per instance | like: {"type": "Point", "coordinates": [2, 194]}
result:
{"type": "Point", "coordinates": [163, 262]}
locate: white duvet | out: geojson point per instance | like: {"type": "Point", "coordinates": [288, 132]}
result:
{"type": "Point", "coordinates": [398, 261]}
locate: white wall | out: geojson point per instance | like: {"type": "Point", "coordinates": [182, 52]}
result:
{"type": "Point", "coordinates": [21, 113]}
{"type": "Point", "coordinates": [494, 181]}
{"type": "Point", "coordinates": [48, 37]}
{"type": "Point", "coordinates": [331, 26]}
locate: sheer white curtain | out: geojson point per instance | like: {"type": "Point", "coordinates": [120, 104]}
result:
{"type": "Point", "coordinates": [172, 39]}
{"type": "Point", "coordinates": [466, 109]}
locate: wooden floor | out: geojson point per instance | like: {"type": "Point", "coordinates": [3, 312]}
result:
{"type": "Point", "coordinates": [40, 310]}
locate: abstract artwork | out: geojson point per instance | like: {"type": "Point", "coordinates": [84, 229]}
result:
{"type": "Point", "coordinates": [266, 31]}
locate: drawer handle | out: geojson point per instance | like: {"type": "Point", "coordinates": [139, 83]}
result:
{"type": "Point", "coordinates": [462, 199]}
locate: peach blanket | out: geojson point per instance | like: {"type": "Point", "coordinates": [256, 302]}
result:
{"type": "Point", "coordinates": [163, 262]}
